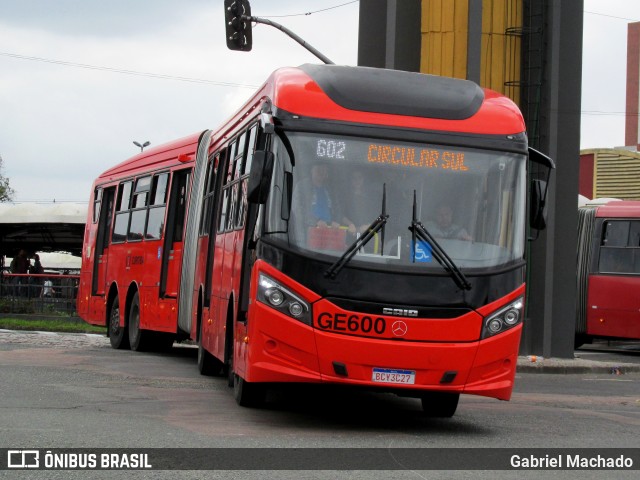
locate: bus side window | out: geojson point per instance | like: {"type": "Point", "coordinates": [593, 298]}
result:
{"type": "Point", "coordinates": [122, 213]}
{"type": "Point", "coordinates": [97, 201]}
{"type": "Point", "coordinates": [634, 245]}
{"type": "Point", "coordinates": [251, 148]}
{"type": "Point", "coordinates": [620, 247]}
{"type": "Point", "coordinates": [155, 217]}
{"type": "Point", "coordinates": [139, 209]}
{"type": "Point", "coordinates": [205, 218]}
{"type": "Point", "coordinates": [182, 177]}
{"type": "Point", "coordinates": [244, 175]}
{"type": "Point", "coordinates": [616, 234]}
{"type": "Point", "coordinates": [224, 199]}
{"type": "Point", "coordinates": [234, 170]}
{"type": "Point", "coordinates": [634, 234]}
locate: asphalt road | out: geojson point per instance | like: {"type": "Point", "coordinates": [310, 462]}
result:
{"type": "Point", "coordinates": [71, 391]}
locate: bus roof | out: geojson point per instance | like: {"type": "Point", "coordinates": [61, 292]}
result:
{"type": "Point", "coordinates": [376, 96]}
{"type": "Point", "coordinates": [159, 156]}
{"type": "Point", "coordinates": [395, 98]}
{"type": "Point", "coordinates": [619, 209]}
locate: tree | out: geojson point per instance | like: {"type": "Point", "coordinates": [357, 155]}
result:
{"type": "Point", "coordinates": [6, 192]}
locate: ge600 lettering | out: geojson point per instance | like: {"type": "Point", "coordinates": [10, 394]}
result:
{"type": "Point", "coordinates": [351, 323]}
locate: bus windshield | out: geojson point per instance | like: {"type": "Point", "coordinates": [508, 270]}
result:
{"type": "Point", "coordinates": [327, 190]}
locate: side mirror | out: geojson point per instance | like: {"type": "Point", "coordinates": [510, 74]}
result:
{"type": "Point", "coordinates": [537, 211]}
{"type": "Point", "coordinates": [260, 177]}
{"type": "Point", "coordinates": [539, 188]}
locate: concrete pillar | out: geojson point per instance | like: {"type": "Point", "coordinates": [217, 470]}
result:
{"type": "Point", "coordinates": [389, 34]}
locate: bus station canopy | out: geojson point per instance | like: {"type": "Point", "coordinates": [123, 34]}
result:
{"type": "Point", "coordinates": [37, 227]}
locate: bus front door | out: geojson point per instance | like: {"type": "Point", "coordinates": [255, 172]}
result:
{"type": "Point", "coordinates": [172, 249]}
{"type": "Point", "coordinates": [101, 254]}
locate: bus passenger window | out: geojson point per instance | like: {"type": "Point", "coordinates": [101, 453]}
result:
{"type": "Point", "coordinates": [232, 206]}
{"type": "Point", "coordinates": [242, 203]}
{"type": "Point", "coordinates": [233, 148]}
{"type": "Point", "coordinates": [122, 213]}
{"type": "Point", "coordinates": [155, 221]}
{"type": "Point", "coordinates": [616, 234]}
{"type": "Point", "coordinates": [208, 204]}
{"type": "Point", "coordinates": [241, 146]}
{"type": "Point", "coordinates": [616, 260]}
{"type": "Point", "coordinates": [223, 210]}
{"type": "Point", "coordinates": [139, 204]}
{"type": "Point", "coordinates": [634, 234]}
{"type": "Point", "coordinates": [160, 189]}
{"type": "Point", "coordinates": [96, 204]}
{"type": "Point", "coordinates": [251, 147]}
{"type": "Point", "coordinates": [620, 247]}
{"type": "Point", "coordinates": [141, 194]}
{"type": "Point", "coordinates": [124, 195]}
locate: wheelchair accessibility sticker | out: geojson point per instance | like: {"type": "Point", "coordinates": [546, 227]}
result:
{"type": "Point", "coordinates": [422, 252]}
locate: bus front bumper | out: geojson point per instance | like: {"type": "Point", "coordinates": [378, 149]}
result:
{"type": "Point", "coordinates": [299, 353]}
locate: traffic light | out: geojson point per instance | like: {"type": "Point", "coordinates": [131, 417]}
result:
{"type": "Point", "coordinates": [238, 27]}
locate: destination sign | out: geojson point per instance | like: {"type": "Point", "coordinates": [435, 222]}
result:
{"type": "Point", "coordinates": [416, 157]}
{"type": "Point", "coordinates": [402, 156]}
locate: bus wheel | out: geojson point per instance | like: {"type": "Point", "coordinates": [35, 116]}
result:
{"type": "Point", "coordinates": [138, 339]}
{"type": "Point", "coordinates": [118, 336]}
{"type": "Point", "coordinates": [248, 394]}
{"type": "Point", "coordinates": [207, 363]}
{"type": "Point", "coordinates": [440, 404]}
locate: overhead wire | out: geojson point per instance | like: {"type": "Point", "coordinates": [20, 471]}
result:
{"type": "Point", "coordinates": [610, 16]}
{"type": "Point", "coordinates": [310, 13]}
{"type": "Point", "coordinates": [127, 72]}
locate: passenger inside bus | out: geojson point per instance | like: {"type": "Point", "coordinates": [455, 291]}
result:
{"type": "Point", "coordinates": [358, 209]}
{"type": "Point", "coordinates": [444, 227]}
{"type": "Point", "coordinates": [317, 211]}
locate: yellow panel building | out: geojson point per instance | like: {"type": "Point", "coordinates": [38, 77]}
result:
{"type": "Point", "coordinates": [445, 42]}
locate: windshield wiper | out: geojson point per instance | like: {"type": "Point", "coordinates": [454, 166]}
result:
{"type": "Point", "coordinates": [377, 225]}
{"type": "Point", "coordinates": [419, 231]}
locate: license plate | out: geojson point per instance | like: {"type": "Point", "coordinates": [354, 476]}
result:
{"type": "Point", "coordinates": [385, 375]}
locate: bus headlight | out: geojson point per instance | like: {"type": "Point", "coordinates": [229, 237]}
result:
{"type": "Point", "coordinates": [504, 319]}
{"type": "Point", "coordinates": [296, 309]}
{"type": "Point", "coordinates": [279, 298]}
{"type": "Point", "coordinates": [274, 296]}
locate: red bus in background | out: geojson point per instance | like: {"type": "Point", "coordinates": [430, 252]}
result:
{"type": "Point", "coordinates": [348, 225]}
{"type": "Point", "coordinates": [133, 246]}
{"type": "Point", "coordinates": [608, 272]}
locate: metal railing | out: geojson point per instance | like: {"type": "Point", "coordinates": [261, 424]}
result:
{"type": "Point", "coordinates": [45, 294]}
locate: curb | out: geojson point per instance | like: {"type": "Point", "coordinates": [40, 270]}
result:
{"type": "Point", "coordinates": [39, 332]}
{"type": "Point", "coordinates": [575, 366]}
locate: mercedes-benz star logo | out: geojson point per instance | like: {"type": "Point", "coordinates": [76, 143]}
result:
{"type": "Point", "coordinates": [399, 328]}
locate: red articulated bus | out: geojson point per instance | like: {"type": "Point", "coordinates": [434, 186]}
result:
{"type": "Point", "coordinates": [608, 272]}
{"type": "Point", "coordinates": [348, 225]}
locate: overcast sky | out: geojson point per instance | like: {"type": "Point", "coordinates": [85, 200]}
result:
{"type": "Point", "coordinates": [62, 124]}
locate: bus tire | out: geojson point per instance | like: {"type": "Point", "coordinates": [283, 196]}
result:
{"type": "Point", "coordinates": [207, 363]}
{"type": "Point", "coordinates": [118, 336]}
{"type": "Point", "coordinates": [440, 404]}
{"type": "Point", "coordinates": [138, 338]}
{"type": "Point", "coordinates": [248, 394]}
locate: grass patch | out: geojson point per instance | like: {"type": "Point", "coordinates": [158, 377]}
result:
{"type": "Point", "coordinates": [50, 326]}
